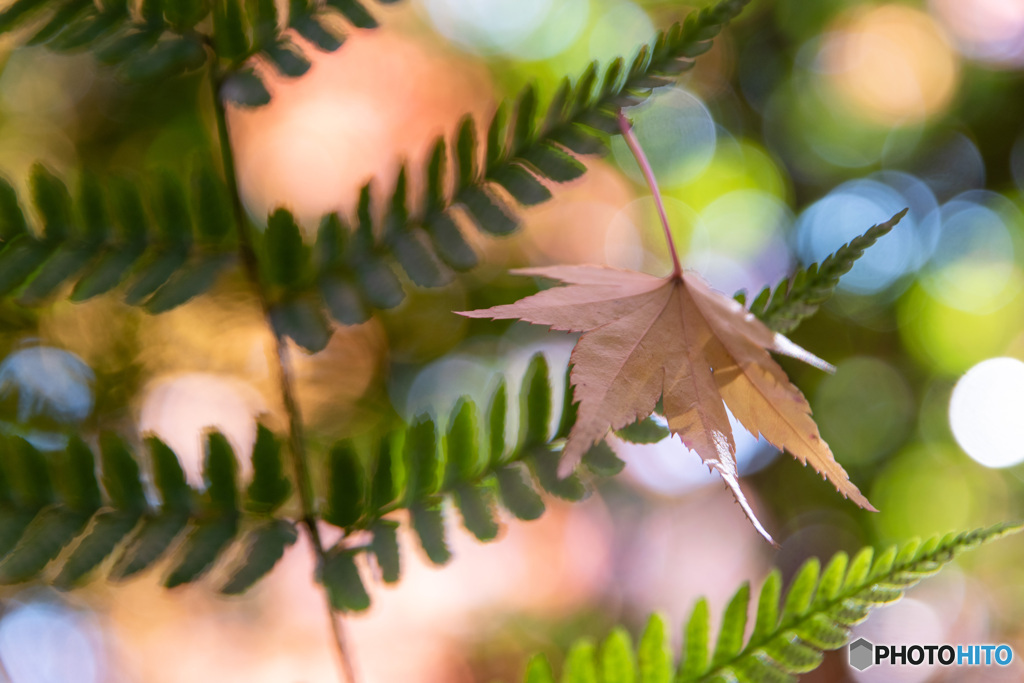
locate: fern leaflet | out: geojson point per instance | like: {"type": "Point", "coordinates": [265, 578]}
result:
{"type": "Point", "coordinates": [159, 40]}
{"type": "Point", "coordinates": [817, 614]}
{"type": "Point", "coordinates": [168, 253]}
{"type": "Point", "coordinates": [801, 295]}
{"type": "Point", "coordinates": [55, 522]}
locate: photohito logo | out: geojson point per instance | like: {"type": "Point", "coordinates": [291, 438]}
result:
{"type": "Point", "coordinates": [864, 654]}
{"type": "Point", "coordinates": [861, 654]}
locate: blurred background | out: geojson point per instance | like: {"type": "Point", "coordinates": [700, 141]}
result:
{"type": "Point", "coordinates": [805, 124]}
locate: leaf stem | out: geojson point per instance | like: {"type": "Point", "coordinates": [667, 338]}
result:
{"type": "Point", "coordinates": [645, 168]}
{"type": "Point", "coordinates": [286, 381]}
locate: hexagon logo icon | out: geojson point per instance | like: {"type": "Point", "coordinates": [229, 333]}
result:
{"type": "Point", "coordinates": [861, 654]}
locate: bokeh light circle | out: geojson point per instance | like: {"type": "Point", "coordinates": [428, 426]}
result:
{"type": "Point", "coordinates": [595, 232]}
{"type": "Point", "coordinates": [985, 412]}
{"type": "Point", "coordinates": [745, 222]}
{"type": "Point", "coordinates": [987, 30]}
{"type": "Point", "coordinates": [864, 410]}
{"type": "Point", "coordinates": [739, 241]}
{"type": "Point", "coordinates": [439, 385]}
{"type": "Point", "coordinates": [181, 408]}
{"type": "Point", "coordinates": [677, 133]}
{"type": "Point", "coordinates": [299, 160]}
{"type": "Point", "coordinates": [640, 218]}
{"type": "Point", "coordinates": [487, 26]}
{"type": "Point", "coordinates": [53, 390]}
{"type": "Point", "coordinates": [893, 64]}
{"type": "Point", "coordinates": [847, 212]}
{"type": "Point", "coordinates": [42, 642]}
{"type": "Point", "coordinates": [950, 163]}
{"type": "Point", "coordinates": [562, 25]}
{"type": "Point", "coordinates": [669, 468]}
{"type": "Point", "coordinates": [926, 490]}
{"type": "Point", "coordinates": [619, 31]}
{"type": "Point", "coordinates": [818, 133]}
{"type": "Point", "coordinates": [738, 164]}
{"type": "Point", "coordinates": [973, 267]}
{"type": "Point", "coordinates": [48, 381]}
{"type": "Point", "coordinates": [950, 340]}
{"type": "Point", "coordinates": [923, 218]}
{"type": "Point", "coordinates": [474, 373]}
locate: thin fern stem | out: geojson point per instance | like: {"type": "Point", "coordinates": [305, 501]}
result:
{"type": "Point", "coordinates": [296, 439]}
{"type": "Point", "coordinates": [645, 167]}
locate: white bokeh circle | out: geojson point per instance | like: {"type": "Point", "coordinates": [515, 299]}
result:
{"type": "Point", "coordinates": [985, 412]}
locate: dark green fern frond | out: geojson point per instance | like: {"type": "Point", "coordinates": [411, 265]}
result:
{"type": "Point", "coordinates": [105, 236]}
{"type": "Point", "coordinates": [59, 522]}
{"type": "Point", "coordinates": [468, 462]}
{"type": "Point", "coordinates": [523, 151]}
{"type": "Point", "coordinates": [457, 463]}
{"type": "Point", "coordinates": [350, 271]}
{"type": "Point", "coordinates": [158, 40]}
{"type": "Point", "coordinates": [482, 178]}
{"type": "Point", "coordinates": [244, 30]}
{"type": "Point", "coordinates": [800, 296]}
{"type": "Point", "coordinates": [161, 39]}
{"type": "Point", "coordinates": [788, 639]}
{"type": "Point", "coordinates": [64, 514]}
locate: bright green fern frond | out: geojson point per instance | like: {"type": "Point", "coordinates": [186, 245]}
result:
{"type": "Point", "coordinates": [819, 610]}
{"type": "Point", "coordinates": [419, 466]}
{"type": "Point", "coordinates": [800, 296]}
{"type": "Point", "coordinates": [104, 235]}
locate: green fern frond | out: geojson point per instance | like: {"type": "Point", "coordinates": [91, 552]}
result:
{"type": "Point", "coordinates": [158, 40]}
{"type": "Point", "coordinates": [482, 178]}
{"type": "Point", "coordinates": [818, 612]}
{"type": "Point", "coordinates": [101, 238]}
{"type": "Point", "coordinates": [468, 463]}
{"type": "Point", "coordinates": [523, 151]}
{"type": "Point", "coordinates": [349, 271]}
{"type": "Point", "coordinates": [163, 39]}
{"type": "Point", "coordinates": [254, 28]}
{"type": "Point", "coordinates": [60, 523]}
{"type": "Point", "coordinates": [800, 296]}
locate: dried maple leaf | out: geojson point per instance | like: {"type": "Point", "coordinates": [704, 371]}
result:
{"type": "Point", "coordinates": [675, 338]}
